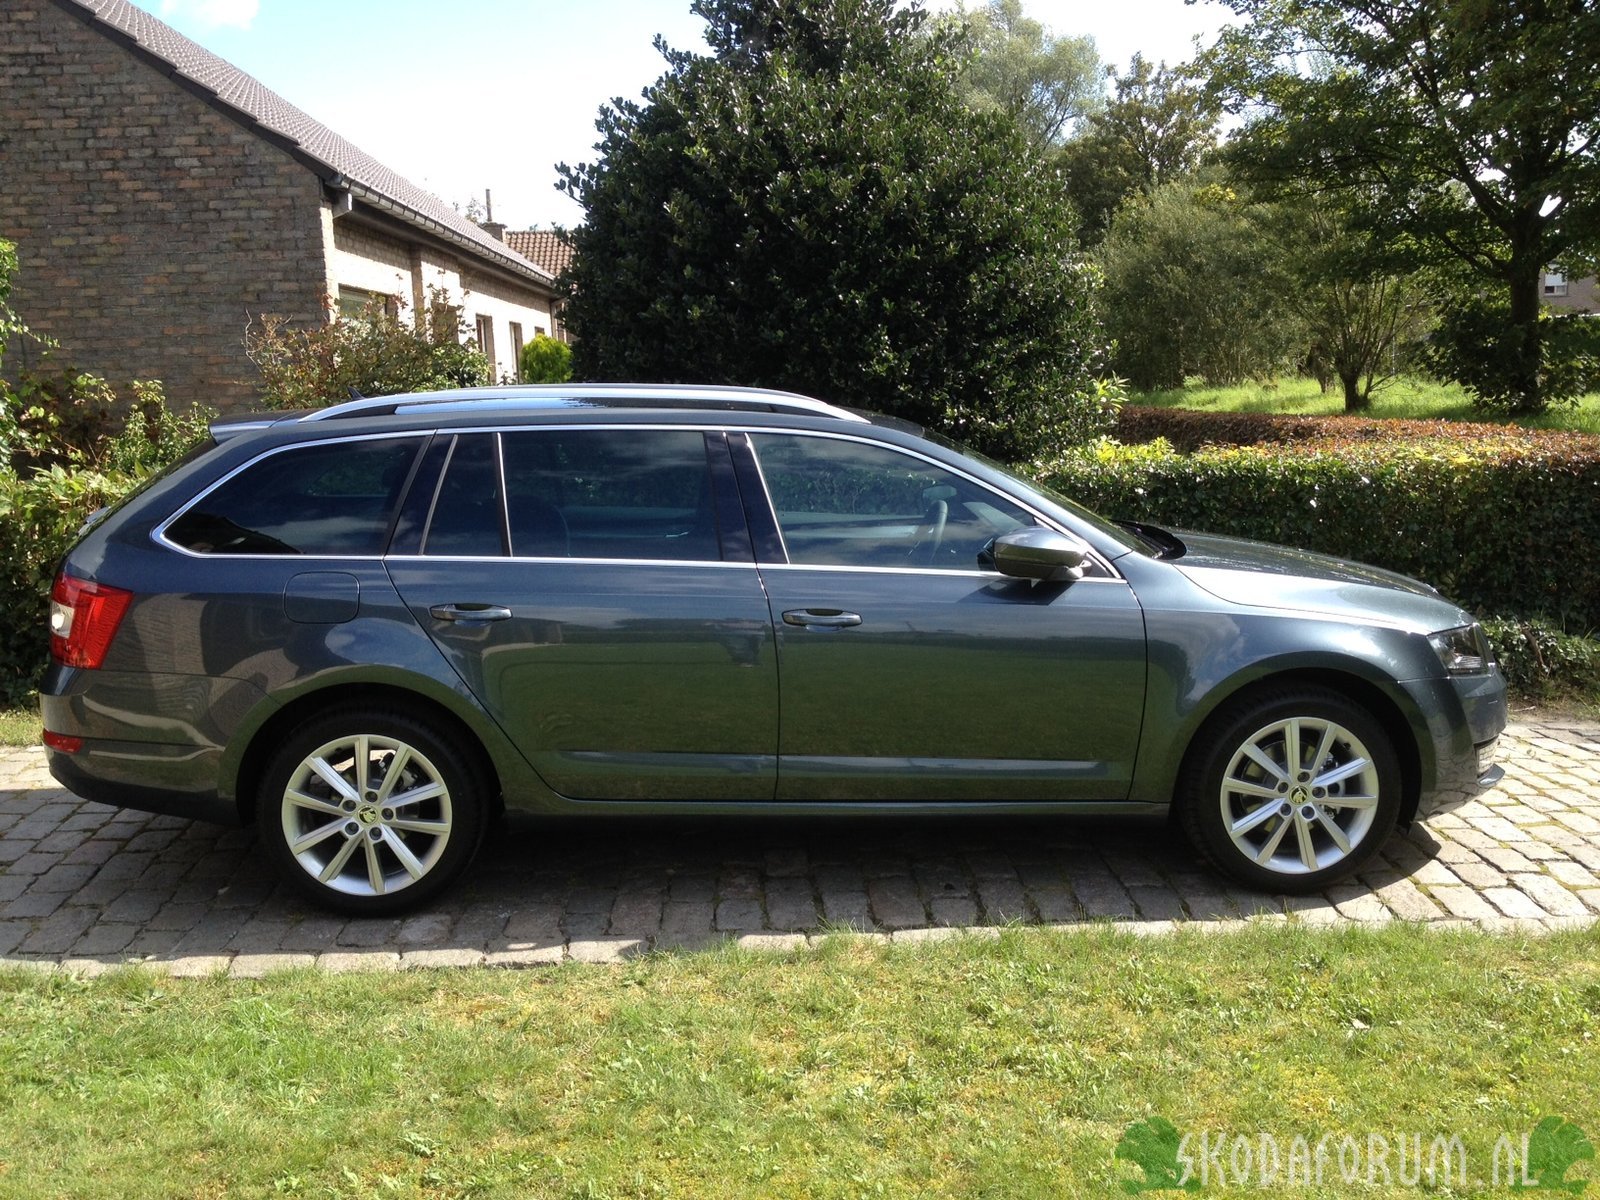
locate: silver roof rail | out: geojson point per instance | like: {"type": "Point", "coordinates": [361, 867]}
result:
{"type": "Point", "coordinates": [617, 395]}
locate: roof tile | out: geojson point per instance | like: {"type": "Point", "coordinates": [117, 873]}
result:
{"type": "Point", "coordinates": [545, 248]}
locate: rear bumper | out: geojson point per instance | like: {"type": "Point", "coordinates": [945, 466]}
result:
{"type": "Point", "coordinates": [177, 780]}
{"type": "Point", "coordinates": [149, 741]}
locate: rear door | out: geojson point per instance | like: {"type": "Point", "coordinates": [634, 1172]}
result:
{"type": "Point", "coordinates": [596, 590]}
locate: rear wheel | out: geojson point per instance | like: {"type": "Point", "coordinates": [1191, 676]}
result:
{"type": "Point", "coordinates": [1291, 790]}
{"type": "Point", "coordinates": [370, 811]}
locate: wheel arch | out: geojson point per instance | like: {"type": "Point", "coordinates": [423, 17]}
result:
{"type": "Point", "coordinates": [271, 733]}
{"type": "Point", "coordinates": [1385, 709]}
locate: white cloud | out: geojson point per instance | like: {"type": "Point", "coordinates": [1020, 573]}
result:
{"type": "Point", "coordinates": [213, 14]}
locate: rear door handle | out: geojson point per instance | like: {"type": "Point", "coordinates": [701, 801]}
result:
{"type": "Point", "coordinates": [473, 613]}
{"type": "Point", "coordinates": [821, 618]}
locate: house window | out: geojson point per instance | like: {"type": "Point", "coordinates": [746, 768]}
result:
{"type": "Point", "coordinates": [516, 350]}
{"type": "Point", "coordinates": [1555, 283]}
{"type": "Point", "coordinates": [486, 337]}
{"type": "Point", "coordinates": [357, 302]}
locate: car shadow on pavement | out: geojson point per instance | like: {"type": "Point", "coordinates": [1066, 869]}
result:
{"type": "Point", "coordinates": [97, 887]}
{"type": "Point", "coordinates": [94, 887]}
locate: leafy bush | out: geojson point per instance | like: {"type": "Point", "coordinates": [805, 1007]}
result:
{"type": "Point", "coordinates": [375, 353]}
{"type": "Point", "coordinates": [56, 415]}
{"type": "Point", "coordinates": [1504, 525]}
{"type": "Point", "coordinates": [1543, 662]}
{"type": "Point", "coordinates": [153, 435]}
{"type": "Point", "coordinates": [45, 498]}
{"type": "Point", "coordinates": [545, 360]}
{"type": "Point", "coordinates": [1194, 287]}
{"type": "Point", "coordinates": [10, 324]}
{"type": "Point", "coordinates": [40, 517]}
{"type": "Point", "coordinates": [1511, 368]}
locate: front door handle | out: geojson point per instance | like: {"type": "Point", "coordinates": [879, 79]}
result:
{"type": "Point", "coordinates": [470, 613]}
{"type": "Point", "coordinates": [821, 618]}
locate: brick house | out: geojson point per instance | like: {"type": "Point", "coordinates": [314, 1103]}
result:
{"type": "Point", "coordinates": [1570, 295]}
{"type": "Point", "coordinates": [160, 198]}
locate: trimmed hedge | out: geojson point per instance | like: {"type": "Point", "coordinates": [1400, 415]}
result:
{"type": "Point", "coordinates": [1189, 429]}
{"type": "Point", "coordinates": [1506, 525]}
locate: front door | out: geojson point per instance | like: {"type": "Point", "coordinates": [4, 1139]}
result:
{"type": "Point", "coordinates": [911, 672]}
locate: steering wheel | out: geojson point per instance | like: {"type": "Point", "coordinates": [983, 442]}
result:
{"type": "Point", "coordinates": [929, 534]}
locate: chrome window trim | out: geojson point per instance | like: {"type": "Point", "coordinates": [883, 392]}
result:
{"type": "Point", "coordinates": [766, 495]}
{"type": "Point", "coordinates": [992, 576]}
{"type": "Point", "coordinates": [158, 534]}
{"type": "Point", "coordinates": [552, 561]}
{"type": "Point", "coordinates": [438, 486]}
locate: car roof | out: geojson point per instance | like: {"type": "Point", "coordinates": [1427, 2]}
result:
{"type": "Point", "coordinates": [516, 400]}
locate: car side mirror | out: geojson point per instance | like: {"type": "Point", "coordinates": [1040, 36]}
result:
{"type": "Point", "coordinates": [1039, 554]}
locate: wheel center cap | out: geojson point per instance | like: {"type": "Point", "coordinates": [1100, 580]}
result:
{"type": "Point", "coordinates": [1300, 795]}
{"type": "Point", "coordinates": [368, 816]}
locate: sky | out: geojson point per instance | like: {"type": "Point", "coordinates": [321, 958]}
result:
{"type": "Point", "coordinates": [460, 96]}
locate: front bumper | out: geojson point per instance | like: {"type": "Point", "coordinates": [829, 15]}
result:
{"type": "Point", "coordinates": [1465, 716]}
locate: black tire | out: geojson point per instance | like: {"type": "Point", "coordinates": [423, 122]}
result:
{"type": "Point", "coordinates": [354, 851]}
{"type": "Point", "coordinates": [1321, 821]}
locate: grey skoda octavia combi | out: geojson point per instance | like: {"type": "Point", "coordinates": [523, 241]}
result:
{"type": "Point", "coordinates": [369, 627]}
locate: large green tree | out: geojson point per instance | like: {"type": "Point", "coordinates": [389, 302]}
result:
{"type": "Point", "coordinates": [1456, 130]}
{"type": "Point", "coordinates": [1195, 287]}
{"type": "Point", "coordinates": [1048, 83]}
{"type": "Point", "coordinates": [1155, 129]}
{"type": "Point", "coordinates": [812, 206]}
{"type": "Point", "coordinates": [1364, 324]}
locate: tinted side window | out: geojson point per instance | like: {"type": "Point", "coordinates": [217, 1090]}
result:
{"type": "Point", "coordinates": [844, 503]}
{"type": "Point", "coordinates": [334, 498]}
{"type": "Point", "coordinates": [468, 518]}
{"type": "Point", "coordinates": [610, 493]}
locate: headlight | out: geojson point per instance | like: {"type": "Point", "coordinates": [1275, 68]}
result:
{"type": "Point", "coordinates": [1463, 651]}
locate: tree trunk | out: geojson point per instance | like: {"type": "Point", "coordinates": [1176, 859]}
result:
{"type": "Point", "coordinates": [1355, 400]}
{"type": "Point", "coordinates": [1526, 346]}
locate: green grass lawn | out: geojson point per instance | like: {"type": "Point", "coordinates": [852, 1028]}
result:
{"type": "Point", "coordinates": [1416, 399]}
{"type": "Point", "coordinates": [971, 1068]}
{"type": "Point", "coordinates": [20, 726]}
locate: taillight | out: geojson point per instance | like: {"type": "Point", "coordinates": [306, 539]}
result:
{"type": "Point", "coordinates": [83, 619]}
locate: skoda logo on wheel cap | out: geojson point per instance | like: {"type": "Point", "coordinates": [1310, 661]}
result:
{"type": "Point", "coordinates": [368, 816]}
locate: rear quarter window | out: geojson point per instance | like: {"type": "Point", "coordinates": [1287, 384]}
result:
{"type": "Point", "coordinates": [333, 498]}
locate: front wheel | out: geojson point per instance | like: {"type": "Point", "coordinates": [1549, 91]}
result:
{"type": "Point", "coordinates": [1291, 790]}
{"type": "Point", "coordinates": [370, 811]}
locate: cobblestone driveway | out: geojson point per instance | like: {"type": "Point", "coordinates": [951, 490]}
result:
{"type": "Point", "coordinates": [93, 887]}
